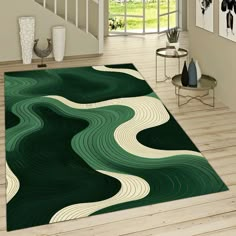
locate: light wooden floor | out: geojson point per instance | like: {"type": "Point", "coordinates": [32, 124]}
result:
{"type": "Point", "coordinates": [212, 130]}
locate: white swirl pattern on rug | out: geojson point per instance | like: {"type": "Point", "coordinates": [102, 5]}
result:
{"type": "Point", "coordinates": [13, 184]}
{"type": "Point", "coordinates": [149, 112]}
{"type": "Point", "coordinates": [133, 73]}
{"type": "Point", "coordinates": [132, 188]}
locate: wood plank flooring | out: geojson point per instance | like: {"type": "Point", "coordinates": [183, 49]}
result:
{"type": "Point", "coordinates": [213, 130]}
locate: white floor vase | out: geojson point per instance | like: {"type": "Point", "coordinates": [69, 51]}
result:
{"type": "Point", "coordinates": [59, 40]}
{"type": "Point", "coordinates": [27, 31]}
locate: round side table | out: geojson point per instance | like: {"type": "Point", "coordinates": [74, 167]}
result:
{"type": "Point", "coordinates": [206, 83]}
{"type": "Point", "coordinates": [170, 52]}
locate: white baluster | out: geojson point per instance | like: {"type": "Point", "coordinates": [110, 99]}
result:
{"type": "Point", "coordinates": [66, 10]}
{"type": "Point", "coordinates": [100, 25]}
{"type": "Point", "coordinates": [87, 16]}
{"type": "Point", "coordinates": [55, 6]}
{"type": "Point", "coordinates": [76, 13]}
{"type": "Point", "coordinates": [44, 3]}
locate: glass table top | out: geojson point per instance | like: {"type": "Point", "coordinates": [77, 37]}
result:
{"type": "Point", "coordinates": [171, 52]}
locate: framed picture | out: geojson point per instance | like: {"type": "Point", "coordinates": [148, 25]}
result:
{"type": "Point", "coordinates": [227, 19]}
{"type": "Point", "coordinates": [204, 14]}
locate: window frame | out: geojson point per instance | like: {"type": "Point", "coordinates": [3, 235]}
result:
{"type": "Point", "coordinates": [143, 16]}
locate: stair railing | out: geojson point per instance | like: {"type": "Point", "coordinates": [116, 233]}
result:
{"type": "Point", "coordinates": [99, 22]}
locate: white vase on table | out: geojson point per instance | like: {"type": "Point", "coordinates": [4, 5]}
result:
{"type": "Point", "coordinates": [59, 42]}
{"type": "Point", "coordinates": [172, 48]}
{"type": "Point", "coordinates": [199, 72]}
{"type": "Point", "coordinates": [27, 31]}
{"type": "Point", "coordinates": [175, 45]}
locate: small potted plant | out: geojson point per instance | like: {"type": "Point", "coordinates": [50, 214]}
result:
{"type": "Point", "coordinates": [115, 23]}
{"type": "Point", "coordinates": [173, 38]}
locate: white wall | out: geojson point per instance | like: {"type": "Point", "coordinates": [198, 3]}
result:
{"type": "Point", "coordinates": [216, 55]}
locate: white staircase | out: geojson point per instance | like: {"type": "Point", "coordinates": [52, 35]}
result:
{"type": "Point", "coordinates": [86, 15]}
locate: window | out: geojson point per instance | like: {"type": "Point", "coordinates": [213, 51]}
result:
{"type": "Point", "coordinates": [142, 16]}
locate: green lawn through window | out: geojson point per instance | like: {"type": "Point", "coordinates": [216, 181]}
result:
{"type": "Point", "coordinates": [136, 8]}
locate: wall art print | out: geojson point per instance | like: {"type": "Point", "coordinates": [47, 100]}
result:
{"type": "Point", "coordinates": [227, 19]}
{"type": "Point", "coordinates": [204, 14]}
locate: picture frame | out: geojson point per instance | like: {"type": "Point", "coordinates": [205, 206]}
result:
{"type": "Point", "coordinates": [227, 19]}
{"type": "Point", "coordinates": [205, 14]}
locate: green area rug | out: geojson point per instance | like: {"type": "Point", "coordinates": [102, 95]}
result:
{"type": "Point", "coordinates": [92, 140]}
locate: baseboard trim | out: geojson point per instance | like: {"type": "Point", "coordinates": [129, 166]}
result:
{"type": "Point", "coordinates": [35, 62]}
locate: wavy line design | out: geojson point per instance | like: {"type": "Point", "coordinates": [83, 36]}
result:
{"type": "Point", "coordinates": [132, 188]}
{"type": "Point", "coordinates": [29, 122]}
{"type": "Point", "coordinates": [149, 112]}
{"type": "Point", "coordinates": [91, 140]}
{"type": "Point", "coordinates": [13, 184]}
{"type": "Point", "coordinates": [133, 73]}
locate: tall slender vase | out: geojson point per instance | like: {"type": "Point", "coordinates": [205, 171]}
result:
{"type": "Point", "coordinates": [192, 73]}
{"type": "Point", "coordinates": [27, 31]}
{"type": "Point", "coordinates": [184, 75]}
{"type": "Point", "coordinates": [59, 41]}
{"type": "Point", "coordinates": [199, 72]}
